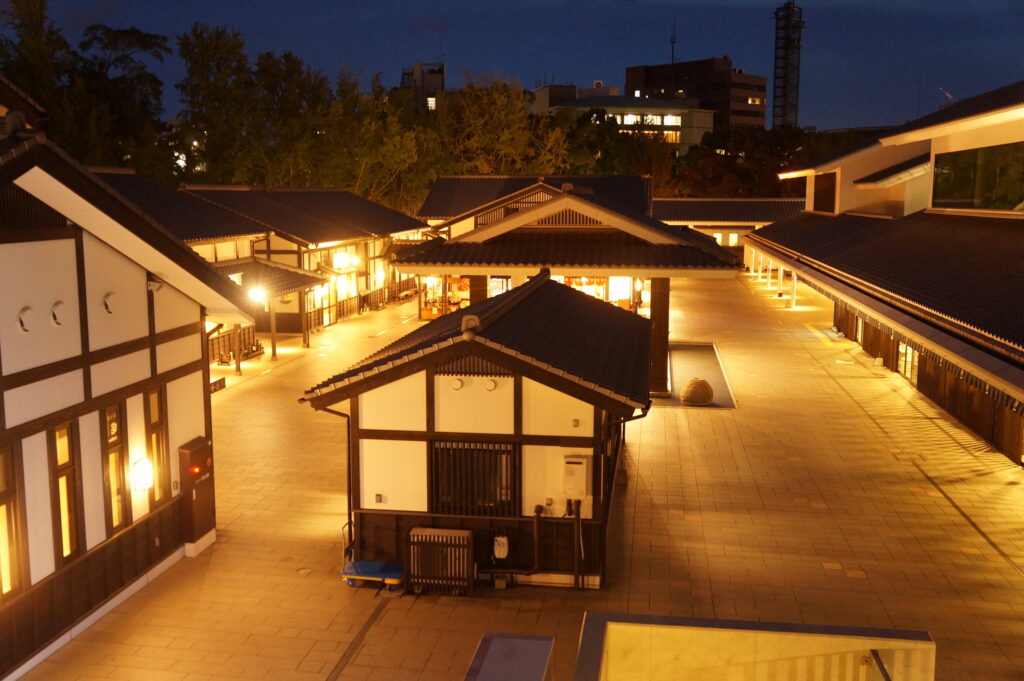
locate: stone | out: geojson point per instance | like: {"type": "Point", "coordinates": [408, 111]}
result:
{"type": "Point", "coordinates": [697, 393]}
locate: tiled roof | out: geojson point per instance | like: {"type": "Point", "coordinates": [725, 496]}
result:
{"type": "Point", "coordinates": [349, 209]}
{"type": "Point", "coordinates": [281, 216]}
{"type": "Point", "coordinates": [543, 248]}
{"type": "Point", "coordinates": [547, 324]}
{"type": "Point", "coordinates": [993, 100]}
{"type": "Point", "coordinates": [275, 279]}
{"type": "Point", "coordinates": [453, 195]}
{"type": "Point", "coordinates": [969, 269]}
{"type": "Point", "coordinates": [763, 211]}
{"type": "Point", "coordinates": [894, 169]}
{"type": "Point", "coordinates": [185, 216]}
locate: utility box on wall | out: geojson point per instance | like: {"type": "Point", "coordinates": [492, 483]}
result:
{"type": "Point", "coordinates": [198, 507]}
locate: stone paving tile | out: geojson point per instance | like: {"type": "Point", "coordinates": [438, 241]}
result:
{"type": "Point", "coordinates": [832, 494]}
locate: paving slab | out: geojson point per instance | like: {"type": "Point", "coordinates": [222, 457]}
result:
{"type": "Point", "coordinates": [833, 493]}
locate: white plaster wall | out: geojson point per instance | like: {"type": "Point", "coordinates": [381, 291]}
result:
{"type": "Point", "coordinates": [205, 251]}
{"type": "Point", "coordinates": [547, 411]}
{"type": "Point", "coordinates": [38, 275]}
{"type": "Point", "coordinates": [1004, 133]}
{"type": "Point", "coordinates": [43, 397]}
{"type": "Point", "coordinates": [543, 479]}
{"type": "Point", "coordinates": [473, 408]}
{"type": "Point", "coordinates": [135, 419]}
{"type": "Point", "coordinates": [92, 479]}
{"type": "Point", "coordinates": [185, 417]}
{"type": "Point", "coordinates": [225, 250]}
{"type": "Point", "coordinates": [178, 352]}
{"type": "Point", "coordinates": [36, 469]}
{"type": "Point", "coordinates": [917, 193]}
{"type": "Point", "coordinates": [244, 248]}
{"type": "Point", "coordinates": [855, 198]}
{"type": "Point", "coordinates": [172, 308]}
{"type": "Point", "coordinates": [461, 227]}
{"type": "Point", "coordinates": [119, 372]}
{"type": "Point", "coordinates": [399, 405]}
{"type": "Point", "coordinates": [395, 469]}
{"type": "Point", "coordinates": [109, 272]}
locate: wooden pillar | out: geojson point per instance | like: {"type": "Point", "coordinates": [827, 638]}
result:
{"type": "Point", "coordinates": [760, 266]}
{"type": "Point", "coordinates": [237, 343]}
{"type": "Point", "coordinates": [303, 318]}
{"type": "Point", "coordinates": [477, 288]}
{"type": "Point", "coordinates": [792, 298]}
{"type": "Point", "coordinates": [659, 334]}
{"type": "Point", "coordinates": [273, 329]}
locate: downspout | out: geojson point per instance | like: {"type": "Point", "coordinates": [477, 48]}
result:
{"type": "Point", "coordinates": [348, 475]}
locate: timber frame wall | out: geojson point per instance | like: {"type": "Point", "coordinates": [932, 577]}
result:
{"type": "Point", "coordinates": [382, 535]}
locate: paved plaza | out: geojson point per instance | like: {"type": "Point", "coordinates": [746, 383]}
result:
{"type": "Point", "coordinates": [832, 494]}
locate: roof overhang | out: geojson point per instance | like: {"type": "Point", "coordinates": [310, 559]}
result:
{"type": "Point", "coordinates": [995, 371]}
{"type": "Point", "coordinates": [827, 166]}
{"type": "Point", "coordinates": [416, 361]}
{"type": "Point", "coordinates": [58, 196]}
{"type": "Point", "coordinates": [562, 202]}
{"type": "Point", "coordinates": [896, 178]}
{"type": "Point", "coordinates": [985, 120]}
{"type": "Point", "coordinates": [450, 270]}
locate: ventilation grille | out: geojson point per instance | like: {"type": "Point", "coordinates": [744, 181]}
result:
{"type": "Point", "coordinates": [441, 561]}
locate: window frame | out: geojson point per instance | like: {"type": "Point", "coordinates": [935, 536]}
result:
{"type": "Point", "coordinates": [161, 459]}
{"type": "Point", "coordinates": [10, 460]}
{"type": "Point", "coordinates": [72, 471]}
{"type": "Point", "coordinates": [120, 447]}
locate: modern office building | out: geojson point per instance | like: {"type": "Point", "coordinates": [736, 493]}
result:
{"type": "Point", "coordinates": [737, 98]}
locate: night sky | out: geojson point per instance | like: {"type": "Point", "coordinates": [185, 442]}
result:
{"type": "Point", "coordinates": [864, 62]}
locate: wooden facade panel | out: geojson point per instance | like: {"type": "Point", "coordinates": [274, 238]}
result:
{"type": "Point", "coordinates": [385, 537]}
{"type": "Point", "coordinates": [33, 620]}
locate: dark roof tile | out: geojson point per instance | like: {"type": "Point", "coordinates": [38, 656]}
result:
{"type": "Point", "coordinates": [345, 208]}
{"type": "Point", "coordinates": [549, 323]}
{"type": "Point", "coordinates": [966, 268]}
{"type": "Point", "coordinates": [763, 211]}
{"type": "Point", "coordinates": [273, 278]}
{"type": "Point", "coordinates": [567, 249]}
{"type": "Point", "coordinates": [187, 217]}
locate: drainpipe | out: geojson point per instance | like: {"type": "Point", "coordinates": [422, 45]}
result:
{"type": "Point", "coordinates": [348, 476]}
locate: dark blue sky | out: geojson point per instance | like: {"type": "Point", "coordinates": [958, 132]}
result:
{"type": "Point", "coordinates": [865, 62]}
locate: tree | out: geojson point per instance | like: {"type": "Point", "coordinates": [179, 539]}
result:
{"type": "Point", "coordinates": [489, 130]}
{"type": "Point", "coordinates": [219, 98]}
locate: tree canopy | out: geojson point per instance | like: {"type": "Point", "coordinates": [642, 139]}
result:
{"type": "Point", "coordinates": [274, 120]}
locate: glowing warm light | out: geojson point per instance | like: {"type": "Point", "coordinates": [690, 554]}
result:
{"type": "Point", "coordinates": [258, 294]}
{"type": "Point", "coordinates": [639, 285]}
{"type": "Point", "coordinates": [380, 277]}
{"type": "Point", "coordinates": [142, 475]}
{"type": "Point", "coordinates": [341, 261]}
{"type": "Point", "coordinates": [796, 173]}
{"type": "Point", "coordinates": [354, 260]}
{"type": "Point", "coordinates": [430, 282]}
{"type": "Point", "coordinates": [196, 470]}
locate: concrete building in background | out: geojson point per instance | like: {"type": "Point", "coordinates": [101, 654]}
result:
{"type": "Point", "coordinates": [737, 98]}
{"type": "Point", "coordinates": [675, 122]}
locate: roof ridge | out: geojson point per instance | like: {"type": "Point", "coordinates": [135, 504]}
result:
{"type": "Point", "coordinates": [515, 296]}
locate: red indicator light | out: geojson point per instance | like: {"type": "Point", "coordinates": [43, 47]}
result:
{"type": "Point", "coordinates": [196, 470]}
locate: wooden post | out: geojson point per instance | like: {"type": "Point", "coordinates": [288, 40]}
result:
{"type": "Point", "coordinates": [659, 334]}
{"type": "Point", "coordinates": [237, 342]}
{"type": "Point", "coordinates": [303, 318]}
{"type": "Point", "coordinates": [792, 298]}
{"type": "Point", "coordinates": [273, 328]}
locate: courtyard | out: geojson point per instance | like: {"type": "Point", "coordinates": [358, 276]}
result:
{"type": "Point", "coordinates": [832, 494]}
